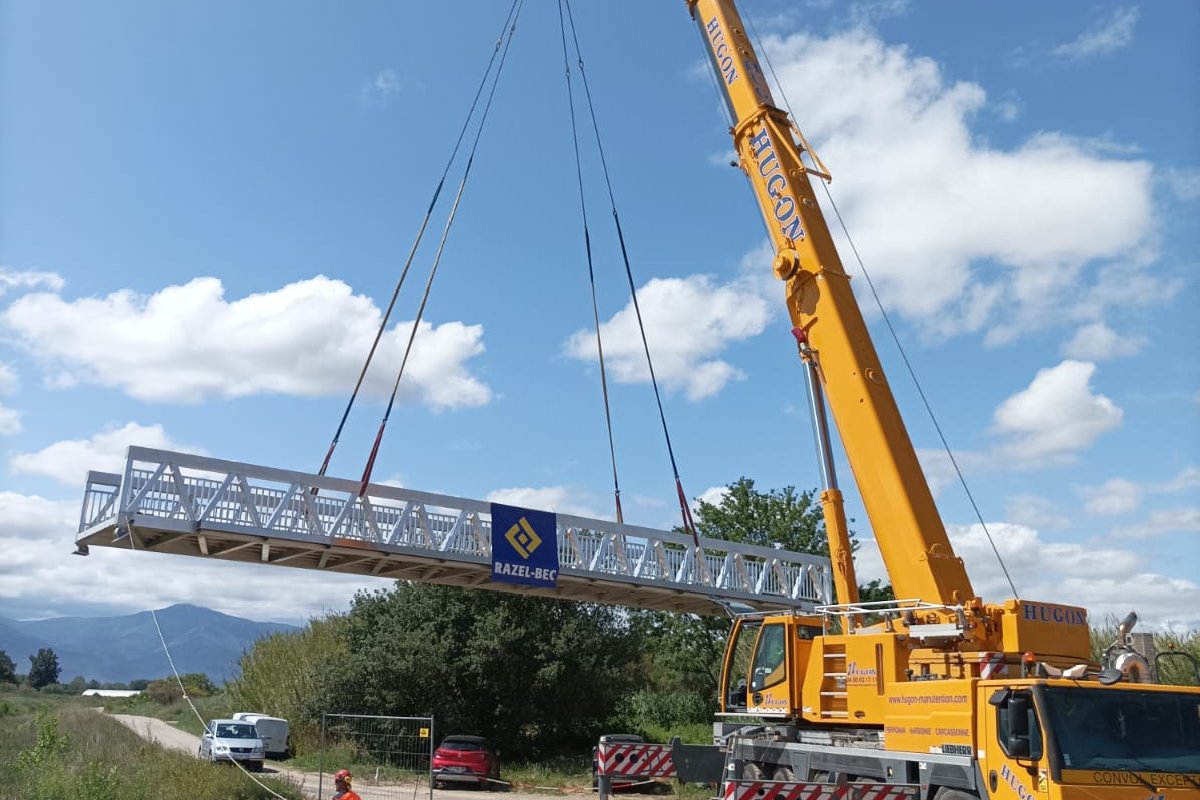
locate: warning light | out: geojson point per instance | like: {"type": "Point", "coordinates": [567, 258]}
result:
{"type": "Point", "coordinates": [1027, 662]}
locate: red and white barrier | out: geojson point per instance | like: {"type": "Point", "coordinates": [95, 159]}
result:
{"type": "Point", "coordinates": [788, 790]}
{"type": "Point", "coordinates": [619, 760]}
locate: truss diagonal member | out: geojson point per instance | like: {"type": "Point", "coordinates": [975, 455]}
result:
{"type": "Point", "coordinates": [662, 560]}
{"type": "Point", "coordinates": [571, 548]}
{"type": "Point", "coordinates": [140, 496]}
{"type": "Point", "coordinates": [617, 543]}
{"type": "Point", "coordinates": [371, 531]}
{"type": "Point", "coordinates": [457, 532]}
{"type": "Point", "coordinates": [217, 496]}
{"type": "Point", "coordinates": [335, 528]}
{"type": "Point", "coordinates": [760, 586]}
{"type": "Point", "coordinates": [804, 585]}
{"type": "Point", "coordinates": [250, 506]}
{"type": "Point", "coordinates": [483, 542]}
{"type": "Point", "coordinates": [183, 494]}
{"type": "Point", "coordinates": [281, 507]}
{"type": "Point", "coordinates": [781, 577]}
{"type": "Point", "coordinates": [686, 573]}
{"type": "Point", "coordinates": [312, 518]}
{"type": "Point", "coordinates": [599, 559]}
{"type": "Point", "coordinates": [421, 524]}
{"type": "Point", "coordinates": [725, 576]}
{"type": "Point", "coordinates": [741, 573]}
{"type": "Point", "coordinates": [398, 533]}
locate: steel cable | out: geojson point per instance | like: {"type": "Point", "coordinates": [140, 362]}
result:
{"type": "Point", "coordinates": [685, 511]}
{"type": "Point", "coordinates": [462, 185]}
{"type": "Point", "coordinates": [587, 241]}
{"type": "Point", "coordinates": [417, 241]}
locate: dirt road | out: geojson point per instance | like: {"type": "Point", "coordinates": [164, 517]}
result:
{"type": "Point", "coordinates": [170, 737]}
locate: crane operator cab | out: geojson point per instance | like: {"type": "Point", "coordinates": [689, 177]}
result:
{"type": "Point", "coordinates": [764, 662]}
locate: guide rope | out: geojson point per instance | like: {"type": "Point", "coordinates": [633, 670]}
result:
{"type": "Point", "coordinates": [417, 241]}
{"type": "Point", "coordinates": [685, 511]}
{"type": "Point", "coordinates": [891, 328]}
{"type": "Point", "coordinates": [366, 476]}
{"type": "Point", "coordinates": [179, 680]}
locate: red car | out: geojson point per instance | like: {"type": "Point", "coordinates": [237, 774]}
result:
{"type": "Point", "coordinates": [465, 759]}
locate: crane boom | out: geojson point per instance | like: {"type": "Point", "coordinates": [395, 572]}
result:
{"type": "Point", "coordinates": [830, 328]}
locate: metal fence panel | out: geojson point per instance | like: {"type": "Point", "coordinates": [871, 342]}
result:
{"type": "Point", "coordinates": [390, 758]}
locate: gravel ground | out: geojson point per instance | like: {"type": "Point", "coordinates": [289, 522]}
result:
{"type": "Point", "coordinates": [170, 737]}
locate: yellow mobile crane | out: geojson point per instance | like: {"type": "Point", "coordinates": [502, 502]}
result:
{"type": "Point", "coordinates": [948, 697]}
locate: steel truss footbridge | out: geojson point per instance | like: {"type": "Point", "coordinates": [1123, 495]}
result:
{"type": "Point", "coordinates": [168, 502]}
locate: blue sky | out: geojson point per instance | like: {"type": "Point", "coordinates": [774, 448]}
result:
{"type": "Point", "coordinates": [204, 208]}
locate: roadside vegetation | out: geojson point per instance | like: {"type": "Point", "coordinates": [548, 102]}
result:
{"type": "Point", "coordinates": [60, 748]}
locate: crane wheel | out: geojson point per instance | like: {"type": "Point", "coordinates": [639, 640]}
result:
{"type": "Point", "coordinates": [752, 772]}
{"type": "Point", "coordinates": [784, 774]}
{"type": "Point", "coordinates": [955, 794]}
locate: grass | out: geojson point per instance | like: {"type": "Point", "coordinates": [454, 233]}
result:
{"type": "Point", "coordinates": [60, 748]}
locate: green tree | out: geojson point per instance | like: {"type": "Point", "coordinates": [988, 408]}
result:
{"type": "Point", "coordinates": [8, 670]}
{"type": "Point", "coordinates": [168, 690]}
{"type": "Point", "coordinates": [778, 518]}
{"type": "Point", "coordinates": [875, 591]}
{"type": "Point", "coordinates": [43, 670]}
{"type": "Point", "coordinates": [289, 675]}
{"type": "Point", "coordinates": [543, 675]}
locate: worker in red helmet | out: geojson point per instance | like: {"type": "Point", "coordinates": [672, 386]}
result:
{"type": "Point", "coordinates": [341, 782]}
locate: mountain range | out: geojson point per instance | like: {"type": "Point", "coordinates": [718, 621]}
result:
{"type": "Point", "coordinates": [125, 648]}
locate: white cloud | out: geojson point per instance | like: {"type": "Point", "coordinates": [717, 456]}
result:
{"type": "Point", "coordinates": [10, 279]}
{"type": "Point", "coordinates": [10, 421]}
{"type": "Point", "coordinates": [558, 499]}
{"type": "Point", "coordinates": [1036, 512]}
{"type": "Point", "coordinates": [1184, 183]}
{"type": "Point", "coordinates": [1056, 416]}
{"type": "Point", "coordinates": [712, 495]}
{"type": "Point", "coordinates": [37, 536]}
{"type": "Point", "coordinates": [377, 90]}
{"type": "Point", "coordinates": [1114, 496]}
{"type": "Point", "coordinates": [1105, 36]}
{"type": "Point", "coordinates": [688, 323]}
{"type": "Point", "coordinates": [989, 264]}
{"type": "Point", "coordinates": [68, 461]}
{"type": "Point", "coordinates": [1188, 478]}
{"type": "Point", "coordinates": [1164, 521]}
{"type": "Point", "coordinates": [187, 344]}
{"type": "Point", "coordinates": [1107, 581]}
{"type": "Point", "coordinates": [1098, 342]}
{"type": "Point", "coordinates": [8, 378]}
{"type": "Point", "coordinates": [939, 469]}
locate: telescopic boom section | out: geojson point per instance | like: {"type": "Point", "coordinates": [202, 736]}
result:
{"type": "Point", "coordinates": [830, 326]}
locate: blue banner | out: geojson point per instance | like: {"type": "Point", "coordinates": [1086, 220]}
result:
{"type": "Point", "coordinates": [524, 546]}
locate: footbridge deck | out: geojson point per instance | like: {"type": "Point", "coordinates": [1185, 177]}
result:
{"type": "Point", "coordinates": [180, 503]}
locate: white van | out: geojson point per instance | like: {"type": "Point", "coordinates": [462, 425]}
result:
{"type": "Point", "coordinates": [272, 730]}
